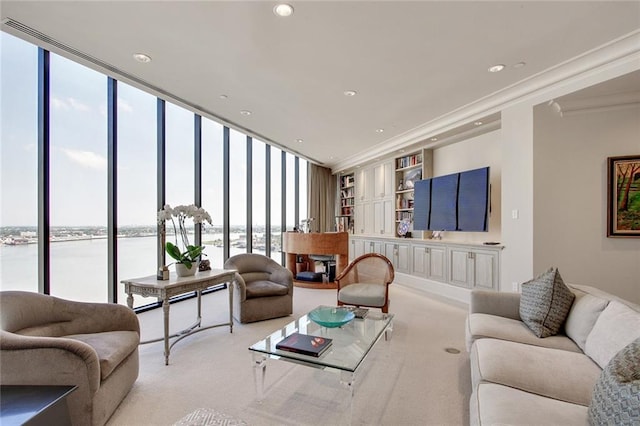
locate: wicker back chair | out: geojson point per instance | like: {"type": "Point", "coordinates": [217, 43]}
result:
{"type": "Point", "coordinates": [365, 282]}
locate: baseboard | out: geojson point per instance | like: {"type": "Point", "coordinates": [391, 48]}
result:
{"type": "Point", "coordinates": [433, 288]}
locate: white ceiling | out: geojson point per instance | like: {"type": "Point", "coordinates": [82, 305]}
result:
{"type": "Point", "coordinates": [410, 62]}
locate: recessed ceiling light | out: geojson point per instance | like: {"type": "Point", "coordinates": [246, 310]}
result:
{"type": "Point", "coordinates": [141, 57]}
{"type": "Point", "coordinates": [519, 64]}
{"type": "Point", "coordinates": [379, 130]}
{"type": "Point", "coordinates": [350, 93]}
{"type": "Point", "coordinates": [299, 140]}
{"type": "Point", "coordinates": [245, 112]}
{"type": "Point", "coordinates": [401, 150]}
{"type": "Point", "coordinates": [283, 9]}
{"type": "Point", "coordinates": [223, 96]}
{"type": "Point", "coordinates": [496, 68]}
{"type": "Point", "coordinates": [434, 139]}
{"type": "Point", "coordinates": [478, 123]}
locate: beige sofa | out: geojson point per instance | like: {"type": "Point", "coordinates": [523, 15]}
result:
{"type": "Point", "coordinates": [518, 378]}
{"type": "Point", "coordinates": [45, 340]}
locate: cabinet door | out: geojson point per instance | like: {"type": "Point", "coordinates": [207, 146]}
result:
{"type": "Point", "coordinates": [383, 177]}
{"type": "Point", "coordinates": [359, 219]}
{"type": "Point", "coordinates": [389, 222]}
{"type": "Point", "coordinates": [418, 263]}
{"type": "Point", "coordinates": [437, 263]}
{"type": "Point", "coordinates": [391, 253]}
{"type": "Point", "coordinates": [359, 248]}
{"type": "Point", "coordinates": [402, 258]}
{"type": "Point", "coordinates": [485, 270]}
{"type": "Point", "coordinates": [377, 247]}
{"type": "Point", "coordinates": [461, 272]}
{"type": "Point", "coordinates": [364, 185]}
{"type": "Point", "coordinates": [383, 223]}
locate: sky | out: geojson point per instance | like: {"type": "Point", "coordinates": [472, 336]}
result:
{"type": "Point", "coordinates": [79, 150]}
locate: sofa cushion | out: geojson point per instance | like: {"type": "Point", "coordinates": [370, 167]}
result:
{"type": "Point", "coordinates": [545, 303]}
{"type": "Point", "coordinates": [112, 347]}
{"type": "Point", "coordinates": [554, 373]}
{"type": "Point", "coordinates": [265, 289]}
{"type": "Point", "coordinates": [493, 326]}
{"type": "Point", "coordinates": [616, 397]}
{"type": "Point", "coordinates": [493, 404]}
{"type": "Point", "coordinates": [616, 327]}
{"type": "Point", "coordinates": [583, 315]}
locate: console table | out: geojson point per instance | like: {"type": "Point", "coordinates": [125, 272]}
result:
{"type": "Point", "coordinates": [164, 290]}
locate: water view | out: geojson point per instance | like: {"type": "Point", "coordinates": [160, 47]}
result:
{"type": "Point", "coordinates": [79, 259]}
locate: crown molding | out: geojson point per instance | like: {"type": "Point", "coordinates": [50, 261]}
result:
{"type": "Point", "coordinates": [610, 60]}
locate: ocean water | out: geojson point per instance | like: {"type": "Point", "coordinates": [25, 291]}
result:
{"type": "Point", "coordinates": [79, 268]}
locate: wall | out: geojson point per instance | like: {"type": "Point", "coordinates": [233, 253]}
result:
{"type": "Point", "coordinates": [474, 153]}
{"type": "Point", "coordinates": [570, 198]}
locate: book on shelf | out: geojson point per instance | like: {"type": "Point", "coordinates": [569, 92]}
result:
{"type": "Point", "coordinates": [305, 344]}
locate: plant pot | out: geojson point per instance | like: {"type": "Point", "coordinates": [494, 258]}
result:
{"type": "Point", "coordinates": [183, 271]}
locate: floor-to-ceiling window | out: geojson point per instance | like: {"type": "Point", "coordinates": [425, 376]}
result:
{"type": "Point", "coordinates": [18, 165]}
{"type": "Point", "coordinates": [80, 143]}
{"type": "Point", "coordinates": [259, 212]}
{"type": "Point", "coordinates": [238, 192]}
{"type": "Point", "coordinates": [212, 164]}
{"type": "Point", "coordinates": [276, 204]}
{"type": "Point", "coordinates": [303, 191]}
{"type": "Point", "coordinates": [136, 177]}
{"type": "Point", "coordinates": [78, 188]}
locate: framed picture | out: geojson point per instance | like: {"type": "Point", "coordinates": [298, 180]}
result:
{"type": "Point", "coordinates": [623, 196]}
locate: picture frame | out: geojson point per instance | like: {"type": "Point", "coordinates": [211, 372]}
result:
{"type": "Point", "coordinates": [623, 196]}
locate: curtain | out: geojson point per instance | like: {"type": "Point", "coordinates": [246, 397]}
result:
{"type": "Point", "coordinates": [322, 191]}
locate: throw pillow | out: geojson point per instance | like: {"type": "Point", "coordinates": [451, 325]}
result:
{"type": "Point", "coordinates": [583, 315]}
{"type": "Point", "coordinates": [545, 302]}
{"type": "Point", "coordinates": [616, 396]}
{"type": "Point", "coordinates": [616, 327]}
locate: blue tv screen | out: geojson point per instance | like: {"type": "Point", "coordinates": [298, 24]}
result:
{"type": "Point", "coordinates": [455, 202]}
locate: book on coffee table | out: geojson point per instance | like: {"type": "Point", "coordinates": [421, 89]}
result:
{"type": "Point", "coordinates": [304, 344]}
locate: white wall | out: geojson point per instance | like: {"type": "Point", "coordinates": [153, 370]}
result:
{"type": "Point", "coordinates": [570, 198]}
{"type": "Point", "coordinates": [517, 196]}
{"type": "Point", "coordinates": [474, 153]}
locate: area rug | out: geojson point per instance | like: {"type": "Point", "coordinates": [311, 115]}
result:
{"type": "Point", "coordinates": [208, 417]}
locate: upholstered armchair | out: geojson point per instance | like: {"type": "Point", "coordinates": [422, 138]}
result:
{"type": "Point", "coordinates": [45, 340]}
{"type": "Point", "coordinates": [365, 282]}
{"type": "Point", "coordinates": [263, 288]}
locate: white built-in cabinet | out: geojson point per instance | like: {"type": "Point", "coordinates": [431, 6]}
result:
{"type": "Point", "coordinates": [461, 265]}
{"type": "Point", "coordinates": [373, 211]}
{"type": "Point", "coordinates": [473, 268]}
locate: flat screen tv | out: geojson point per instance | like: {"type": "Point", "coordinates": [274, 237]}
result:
{"type": "Point", "coordinates": [455, 202]}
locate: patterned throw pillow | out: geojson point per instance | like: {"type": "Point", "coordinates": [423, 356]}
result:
{"type": "Point", "coordinates": [616, 397]}
{"type": "Point", "coordinates": [545, 302]}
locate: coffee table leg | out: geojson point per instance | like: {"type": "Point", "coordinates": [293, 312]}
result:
{"type": "Point", "coordinates": [389, 331]}
{"type": "Point", "coordinates": [259, 371]}
{"type": "Point", "coordinates": [347, 379]}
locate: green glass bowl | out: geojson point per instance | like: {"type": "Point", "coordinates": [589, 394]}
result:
{"type": "Point", "coordinates": [331, 316]}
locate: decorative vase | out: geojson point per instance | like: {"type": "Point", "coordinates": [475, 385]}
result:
{"type": "Point", "coordinates": [183, 271]}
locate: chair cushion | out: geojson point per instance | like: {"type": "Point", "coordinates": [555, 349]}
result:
{"type": "Point", "coordinates": [264, 288]}
{"type": "Point", "coordinates": [545, 303]}
{"type": "Point", "coordinates": [363, 294]}
{"type": "Point", "coordinates": [112, 347]}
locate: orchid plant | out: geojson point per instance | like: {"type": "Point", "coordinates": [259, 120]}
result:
{"type": "Point", "coordinates": [191, 253]}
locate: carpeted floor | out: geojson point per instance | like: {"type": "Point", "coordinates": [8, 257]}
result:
{"type": "Point", "coordinates": [408, 380]}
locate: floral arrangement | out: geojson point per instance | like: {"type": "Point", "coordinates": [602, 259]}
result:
{"type": "Point", "coordinates": [191, 253]}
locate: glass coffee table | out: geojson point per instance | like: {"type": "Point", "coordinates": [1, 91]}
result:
{"type": "Point", "coordinates": [351, 343]}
